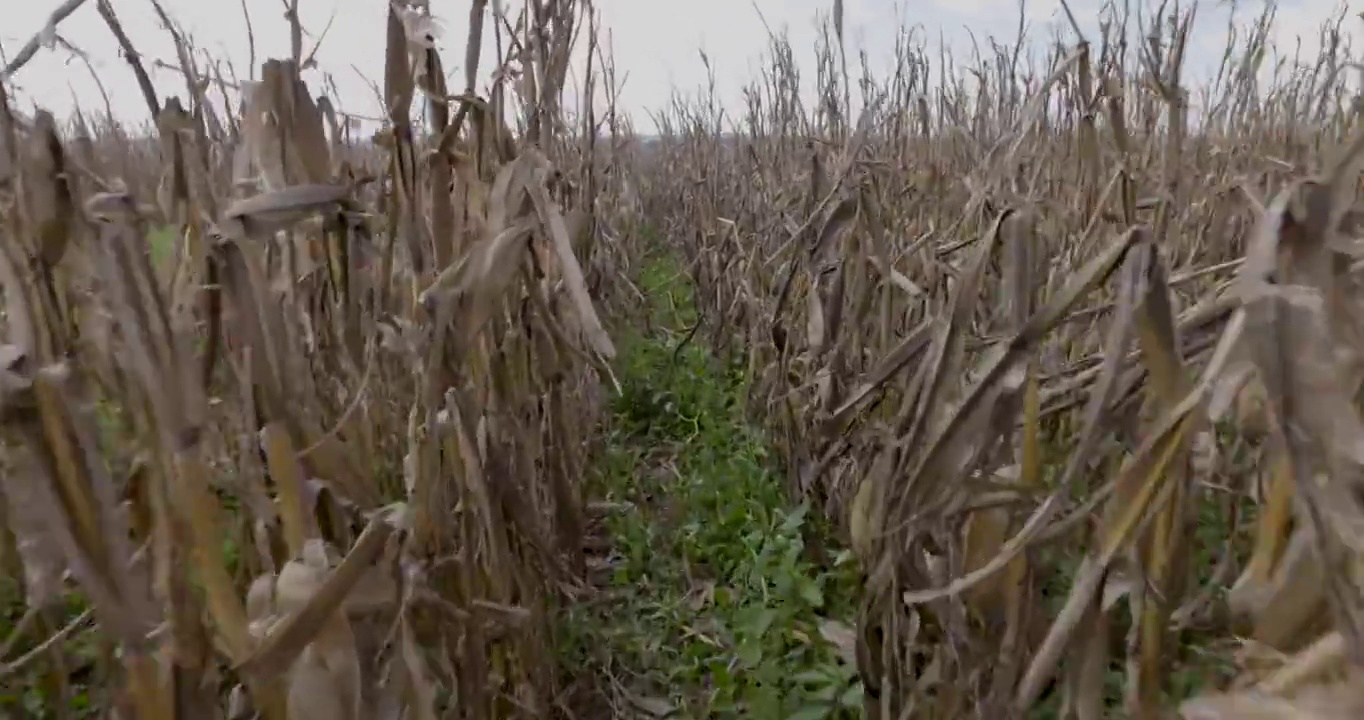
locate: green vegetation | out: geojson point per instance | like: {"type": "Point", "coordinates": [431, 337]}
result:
{"type": "Point", "coordinates": [161, 246]}
{"type": "Point", "coordinates": [29, 686]}
{"type": "Point", "coordinates": [711, 607]}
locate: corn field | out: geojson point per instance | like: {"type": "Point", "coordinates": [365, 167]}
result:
{"type": "Point", "coordinates": [1065, 350]}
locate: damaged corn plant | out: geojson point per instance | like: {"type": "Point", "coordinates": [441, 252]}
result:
{"type": "Point", "coordinates": [324, 460]}
{"type": "Point", "coordinates": [1070, 349]}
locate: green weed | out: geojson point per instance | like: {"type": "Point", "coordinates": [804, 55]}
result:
{"type": "Point", "coordinates": [715, 611]}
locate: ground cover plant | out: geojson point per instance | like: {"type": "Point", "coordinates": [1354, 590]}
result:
{"type": "Point", "coordinates": [1018, 385]}
{"type": "Point", "coordinates": [711, 605]}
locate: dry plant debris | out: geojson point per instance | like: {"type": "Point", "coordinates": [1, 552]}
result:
{"type": "Point", "coordinates": [299, 424]}
{"type": "Point", "coordinates": [1067, 347]}
{"type": "Point", "coordinates": [301, 417]}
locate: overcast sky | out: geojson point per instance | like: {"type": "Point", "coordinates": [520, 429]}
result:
{"type": "Point", "coordinates": [655, 41]}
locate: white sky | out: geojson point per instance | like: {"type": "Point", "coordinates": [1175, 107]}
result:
{"type": "Point", "coordinates": [655, 41]}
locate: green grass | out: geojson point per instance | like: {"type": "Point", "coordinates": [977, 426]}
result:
{"type": "Point", "coordinates": [161, 244]}
{"type": "Point", "coordinates": [712, 609]}
{"type": "Point", "coordinates": [33, 691]}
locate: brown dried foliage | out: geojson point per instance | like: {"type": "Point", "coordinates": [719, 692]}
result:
{"type": "Point", "coordinates": [994, 331]}
{"type": "Point", "coordinates": [370, 366]}
{"type": "Point", "coordinates": [1048, 310]}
